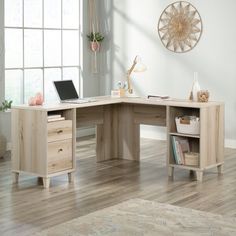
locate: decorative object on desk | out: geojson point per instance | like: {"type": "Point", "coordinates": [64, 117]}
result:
{"type": "Point", "coordinates": [6, 105]}
{"type": "Point", "coordinates": [120, 92]}
{"type": "Point", "coordinates": [191, 158]}
{"type": "Point", "coordinates": [180, 27]}
{"type": "Point", "coordinates": [3, 145]}
{"type": "Point", "coordinates": [94, 36]}
{"type": "Point", "coordinates": [137, 66]}
{"type": "Point", "coordinates": [203, 96]}
{"type": "Point", "coordinates": [188, 125]}
{"type": "Point", "coordinates": [36, 100]}
{"type": "Point", "coordinates": [158, 97]}
{"type": "Point", "coordinates": [195, 88]}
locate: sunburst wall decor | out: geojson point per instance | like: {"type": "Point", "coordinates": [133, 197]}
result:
{"type": "Point", "coordinates": [180, 27]}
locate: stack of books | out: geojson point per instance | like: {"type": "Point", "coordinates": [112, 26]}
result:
{"type": "Point", "coordinates": [158, 97]}
{"type": "Point", "coordinates": [180, 147]}
{"type": "Point", "coordinates": [52, 118]}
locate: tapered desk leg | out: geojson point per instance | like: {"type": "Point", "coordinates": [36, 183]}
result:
{"type": "Point", "coordinates": [46, 182]}
{"type": "Point", "coordinates": [199, 175]}
{"type": "Point", "coordinates": [171, 172]}
{"type": "Point", "coordinates": [71, 177]}
{"type": "Point", "coordinates": [15, 177]}
{"type": "Point", "coordinates": [220, 169]}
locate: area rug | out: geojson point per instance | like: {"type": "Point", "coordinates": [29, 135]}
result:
{"type": "Point", "coordinates": [138, 217]}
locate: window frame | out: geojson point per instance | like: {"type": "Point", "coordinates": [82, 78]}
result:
{"type": "Point", "coordinates": [3, 68]}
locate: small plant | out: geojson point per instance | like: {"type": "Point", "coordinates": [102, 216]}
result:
{"type": "Point", "coordinates": [95, 37]}
{"type": "Point", "coordinates": [5, 105]}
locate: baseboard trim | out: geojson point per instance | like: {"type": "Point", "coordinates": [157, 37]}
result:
{"type": "Point", "coordinates": [8, 146]}
{"type": "Point", "coordinates": [230, 143]}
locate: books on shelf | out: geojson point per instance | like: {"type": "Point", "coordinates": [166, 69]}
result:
{"type": "Point", "coordinates": [180, 146]}
{"type": "Point", "coordinates": [52, 118]}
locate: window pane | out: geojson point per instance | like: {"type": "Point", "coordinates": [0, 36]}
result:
{"type": "Point", "coordinates": [33, 48]}
{"type": "Point", "coordinates": [72, 74]}
{"type": "Point", "coordinates": [33, 13]}
{"type": "Point", "coordinates": [33, 83]}
{"type": "Point", "coordinates": [52, 47]}
{"type": "Point", "coordinates": [13, 85]}
{"type": "Point", "coordinates": [71, 14]}
{"type": "Point", "coordinates": [13, 48]}
{"type": "Point", "coordinates": [70, 47]}
{"type": "Point", "coordinates": [13, 13]}
{"type": "Point", "coordinates": [52, 14]}
{"type": "Point", "coordinates": [51, 75]}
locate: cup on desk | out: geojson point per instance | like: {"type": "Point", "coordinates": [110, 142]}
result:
{"type": "Point", "coordinates": [118, 93]}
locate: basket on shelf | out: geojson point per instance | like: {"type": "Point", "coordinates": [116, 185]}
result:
{"type": "Point", "coordinates": [188, 125]}
{"type": "Point", "coordinates": [191, 159]}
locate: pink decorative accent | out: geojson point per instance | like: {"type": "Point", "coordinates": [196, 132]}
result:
{"type": "Point", "coordinates": [36, 100]}
{"type": "Point", "coordinates": [39, 99]}
{"type": "Point", "coordinates": [95, 46]}
{"type": "Point", "coordinates": [32, 101]}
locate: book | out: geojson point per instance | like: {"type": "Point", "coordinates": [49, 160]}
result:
{"type": "Point", "coordinates": [158, 97]}
{"type": "Point", "coordinates": [54, 116]}
{"type": "Point", "coordinates": [179, 152]}
{"type": "Point", "coordinates": [175, 149]}
{"type": "Point", "coordinates": [180, 146]}
{"type": "Point", "coordinates": [56, 119]}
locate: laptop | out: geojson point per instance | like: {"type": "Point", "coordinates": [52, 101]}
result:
{"type": "Point", "coordinates": [67, 92]}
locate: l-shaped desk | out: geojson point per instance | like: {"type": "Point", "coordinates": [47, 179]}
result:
{"type": "Point", "coordinates": [48, 149]}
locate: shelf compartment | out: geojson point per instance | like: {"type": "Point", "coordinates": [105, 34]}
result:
{"type": "Point", "coordinates": [178, 112]}
{"type": "Point", "coordinates": [194, 146]}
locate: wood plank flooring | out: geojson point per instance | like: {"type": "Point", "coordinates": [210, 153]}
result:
{"type": "Point", "coordinates": [27, 207]}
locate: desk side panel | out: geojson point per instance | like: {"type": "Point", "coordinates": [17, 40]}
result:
{"type": "Point", "coordinates": [29, 139]}
{"type": "Point", "coordinates": [211, 136]}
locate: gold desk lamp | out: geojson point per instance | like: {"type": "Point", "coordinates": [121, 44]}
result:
{"type": "Point", "coordinates": [137, 66]}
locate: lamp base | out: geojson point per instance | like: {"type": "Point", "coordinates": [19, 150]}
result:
{"type": "Point", "coordinates": [131, 95]}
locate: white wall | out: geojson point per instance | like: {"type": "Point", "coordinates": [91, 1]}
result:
{"type": "Point", "coordinates": [134, 31]}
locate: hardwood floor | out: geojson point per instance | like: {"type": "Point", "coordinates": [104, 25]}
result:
{"type": "Point", "coordinates": [27, 207]}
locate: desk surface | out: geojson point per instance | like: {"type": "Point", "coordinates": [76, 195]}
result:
{"type": "Point", "coordinates": [108, 100]}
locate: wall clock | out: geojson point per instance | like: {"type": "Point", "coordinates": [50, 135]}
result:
{"type": "Point", "coordinates": [180, 27]}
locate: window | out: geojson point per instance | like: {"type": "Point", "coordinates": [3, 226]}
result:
{"type": "Point", "coordinates": [42, 39]}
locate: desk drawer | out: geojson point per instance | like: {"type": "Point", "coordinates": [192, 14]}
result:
{"type": "Point", "coordinates": [59, 130]}
{"type": "Point", "coordinates": [59, 156]}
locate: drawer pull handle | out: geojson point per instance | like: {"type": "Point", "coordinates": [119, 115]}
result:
{"type": "Point", "coordinates": [60, 150]}
{"type": "Point", "coordinates": [59, 131]}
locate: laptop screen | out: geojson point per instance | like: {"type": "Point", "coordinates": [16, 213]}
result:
{"type": "Point", "coordinates": [66, 89]}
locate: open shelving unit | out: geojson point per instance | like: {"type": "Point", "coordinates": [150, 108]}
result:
{"type": "Point", "coordinates": [208, 143]}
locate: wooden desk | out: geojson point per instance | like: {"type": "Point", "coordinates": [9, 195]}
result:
{"type": "Point", "coordinates": [48, 149]}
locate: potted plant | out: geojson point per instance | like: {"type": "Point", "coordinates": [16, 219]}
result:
{"type": "Point", "coordinates": [5, 106]}
{"type": "Point", "coordinates": [95, 38]}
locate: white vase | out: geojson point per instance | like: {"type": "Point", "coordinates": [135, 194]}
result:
{"type": "Point", "coordinates": [196, 87]}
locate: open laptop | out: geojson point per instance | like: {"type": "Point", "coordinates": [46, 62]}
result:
{"type": "Point", "coordinates": [67, 92]}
